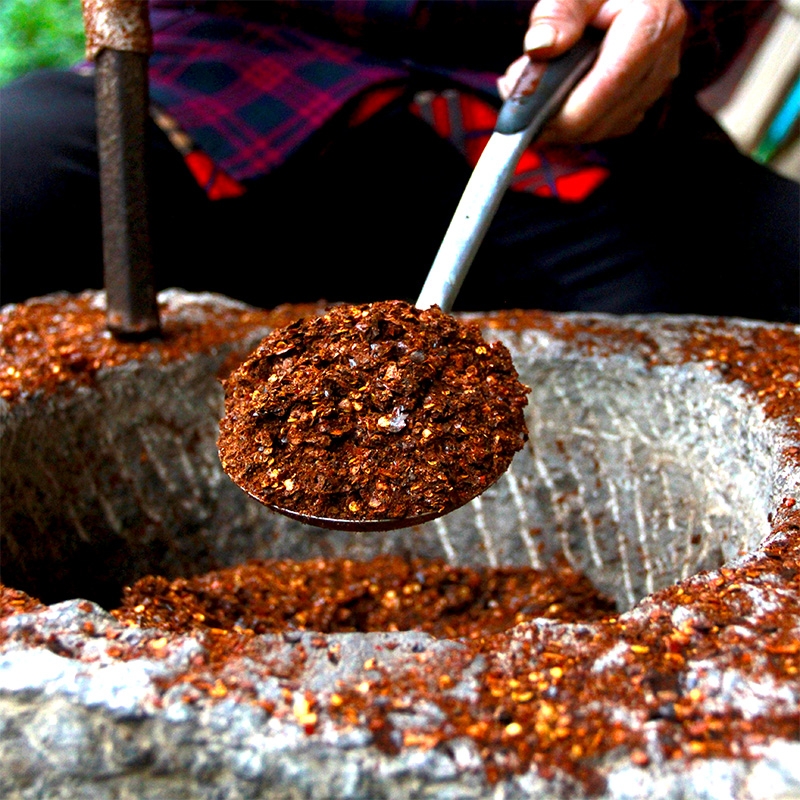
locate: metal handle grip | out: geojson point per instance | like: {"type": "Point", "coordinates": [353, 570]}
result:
{"type": "Point", "coordinates": [538, 95]}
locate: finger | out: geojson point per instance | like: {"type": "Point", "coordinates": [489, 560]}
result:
{"type": "Point", "coordinates": [555, 25]}
{"type": "Point", "coordinates": [643, 96]}
{"type": "Point", "coordinates": [622, 117]}
{"type": "Point", "coordinates": [638, 44]}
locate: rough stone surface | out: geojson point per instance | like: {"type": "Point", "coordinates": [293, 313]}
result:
{"type": "Point", "coordinates": [640, 474]}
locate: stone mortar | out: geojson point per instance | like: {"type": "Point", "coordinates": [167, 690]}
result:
{"type": "Point", "coordinates": [648, 470]}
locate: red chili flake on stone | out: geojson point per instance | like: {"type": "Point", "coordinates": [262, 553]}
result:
{"type": "Point", "coordinates": [13, 601]}
{"type": "Point", "coordinates": [542, 703]}
{"type": "Point", "coordinates": [61, 342]}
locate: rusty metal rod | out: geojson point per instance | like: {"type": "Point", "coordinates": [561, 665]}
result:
{"type": "Point", "coordinates": [122, 110]}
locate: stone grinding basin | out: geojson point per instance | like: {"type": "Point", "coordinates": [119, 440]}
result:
{"type": "Point", "coordinates": [665, 465]}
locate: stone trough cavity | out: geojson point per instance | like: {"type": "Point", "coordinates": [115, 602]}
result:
{"type": "Point", "coordinates": [663, 463]}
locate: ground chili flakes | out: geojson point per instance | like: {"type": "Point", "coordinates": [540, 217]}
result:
{"type": "Point", "coordinates": [542, 703]}
{"type": "Point", "coordinates": [387, 593]}
{"type": "Point", "coordinates": [13, 601]}
{"type": "Point", "coordinates": [372, 412]}
{"type": "Point", "coordinates": [764, 356]}
{"type": "Point", "coordinates": [61, 341]}
{"type": "Point", "coordinates": [542, 700]}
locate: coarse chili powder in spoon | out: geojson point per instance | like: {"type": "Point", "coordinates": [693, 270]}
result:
{"type": "Point", "coordinates": [376, 412]}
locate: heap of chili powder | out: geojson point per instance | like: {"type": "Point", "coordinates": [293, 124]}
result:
{"type": "Point", "coordinates": [374, 412]}
{"type": "Point", "coordinates": [342, 595]}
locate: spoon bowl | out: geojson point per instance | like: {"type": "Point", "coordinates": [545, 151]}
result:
{"type": "Point", "coordinates": [358, 525]}
{"type": "Point", "coordinates": [375, 416]}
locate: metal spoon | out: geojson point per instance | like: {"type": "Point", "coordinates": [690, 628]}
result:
{"type": "Point", "coordinates": [537, 96]}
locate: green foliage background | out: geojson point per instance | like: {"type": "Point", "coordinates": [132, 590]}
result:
{"type": "Point", "coordinates": [39, 33]}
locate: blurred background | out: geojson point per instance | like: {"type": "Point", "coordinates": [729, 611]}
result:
{"type": "Point", "coordinates": [39, 33]}
{"type": "Point", "coordinates": [757, 102]}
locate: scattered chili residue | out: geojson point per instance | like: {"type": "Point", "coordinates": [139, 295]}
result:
{"type": "Point", "coordinates": [12, 601]}
{"type": "Point", "coordinates": [372, 412]}
{"type": "Point", "coordinates": [62, 341]}
{"type": "Point", "coordinates": [543, 702]}
{"type": "Point", "coordinates": [764, 356]}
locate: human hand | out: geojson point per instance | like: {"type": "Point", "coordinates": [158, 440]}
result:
{"type": "Point", "coordinates": [638, 59]}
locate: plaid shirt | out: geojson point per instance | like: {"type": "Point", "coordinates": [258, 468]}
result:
{"type": "Point", "coordinates": [241, 86]}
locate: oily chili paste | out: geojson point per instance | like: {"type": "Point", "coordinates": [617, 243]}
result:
{"type": "Point", "coordinates": [372, 412]}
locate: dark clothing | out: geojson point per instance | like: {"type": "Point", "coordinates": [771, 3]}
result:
{"type": "Point", "coordinates": [683, 224]}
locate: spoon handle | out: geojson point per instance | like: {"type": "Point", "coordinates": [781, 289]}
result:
{"type": "Point", "coordinates": [536, 97]}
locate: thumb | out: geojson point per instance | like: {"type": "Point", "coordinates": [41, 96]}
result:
{"type": "Point", "coordinates": [555, 25]}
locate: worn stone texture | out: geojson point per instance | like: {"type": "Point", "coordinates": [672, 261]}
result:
{"type": "Point", "coordinates": [640, 475]}
{"type": "Point", "coordinates": [103, 729]}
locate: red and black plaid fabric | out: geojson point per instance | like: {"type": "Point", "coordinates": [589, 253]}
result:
{"type": "Point", "coordinates": [569, 174]}
{"type": "Point", "coordinates": [240, 87]}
